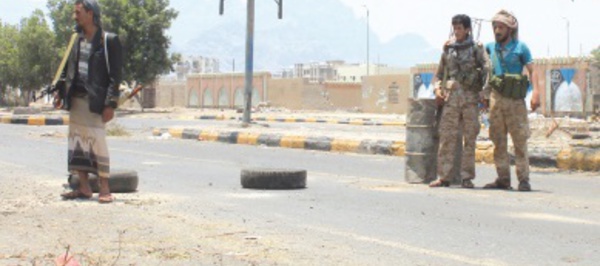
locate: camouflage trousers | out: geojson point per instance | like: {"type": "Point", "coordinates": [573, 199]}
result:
{"type": "Point", "coordinates": [460, 110]}
{"type": "Point", "coordinates": [509, 116]}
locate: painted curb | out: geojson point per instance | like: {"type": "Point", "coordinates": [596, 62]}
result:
{"type": "Point", "coordinates": [579, 158]}
{"type": "Point", "coordinates": [35, 120]}
{"type": "Point", "coordinates": [354, 122]}
{"type": "Point", "coordinates": [382, 147]}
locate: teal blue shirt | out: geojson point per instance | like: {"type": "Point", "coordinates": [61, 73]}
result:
{"type": "Point", "coordinates": [516, 56]}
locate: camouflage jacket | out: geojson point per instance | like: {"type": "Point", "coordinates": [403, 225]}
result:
{"type": "Point", "coordinates": [467, 64]}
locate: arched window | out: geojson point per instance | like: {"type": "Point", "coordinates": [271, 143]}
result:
{"type": "Point", "coordinates": [223, 98]}
{"type": "Point", "coordinates": [207, 98]}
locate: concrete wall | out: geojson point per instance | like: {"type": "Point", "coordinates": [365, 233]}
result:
{"type": "Point", "coordinates": [171, 93]}
{"type": "Point", "coordinates": [224, 90]}
{"type": "Point", "coordinates": [386, 94]}
{"type": "Point", "coordinates": [343, 95]}
{"type": "Point", "coordinates": [300, 94]}
{"type": "Point", "coordinates": [286, 93]}
{"type": "Point", "coordinates": [377, 93]}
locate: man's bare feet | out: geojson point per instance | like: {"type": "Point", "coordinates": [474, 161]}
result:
{"type": "Point", "coordinates": [76, 194]}
{"type": "Point", "coordinates": [104, 196]}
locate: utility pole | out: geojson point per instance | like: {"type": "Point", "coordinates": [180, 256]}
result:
{"type": "Point", "coordinates": [249, 62]}
{"type": "Point", "coordinates": [250, 54]}
{"type": "Point", "coordinates": [367, 8]}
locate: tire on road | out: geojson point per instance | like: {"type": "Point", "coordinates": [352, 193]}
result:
{"type": "Point", "coordinates": [120, 181]}
{"type": "Point", "coordinates": [580, 136]}
{"type": "Point", "coordinates": [261, 178]}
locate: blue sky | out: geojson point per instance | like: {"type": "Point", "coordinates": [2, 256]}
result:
{"type": "Point", "coordinates": [543, 22]}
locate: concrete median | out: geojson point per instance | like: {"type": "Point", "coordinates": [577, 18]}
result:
{"type": "Point", "coordinates": [571, 158]}
{"type": "Point", "coordinates": [35, 120]}
{"type": "Point", "coordinates": [286, 119]}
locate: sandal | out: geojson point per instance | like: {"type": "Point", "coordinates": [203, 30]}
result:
{"type": "Point", "coordinates": [75, 194]}
{"type": "Point", "coordinates": [105, 198]}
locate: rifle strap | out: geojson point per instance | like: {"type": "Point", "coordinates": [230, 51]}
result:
{"type": "Point", "coordinates": [64, 59]}
{"type": "Point", "coordinates": [106, 52]}
{"type": "Point", "coordinates": [445, 79]}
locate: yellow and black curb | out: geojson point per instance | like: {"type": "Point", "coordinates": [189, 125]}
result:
{"type": "Point", "coordinates": [35, 120]}
{"type": "Point", "coordinates": [356, 122]}
{"type": "Point", "coordinates": [383, 147]}
{"type": "Point", "coordinates": [580, 158]}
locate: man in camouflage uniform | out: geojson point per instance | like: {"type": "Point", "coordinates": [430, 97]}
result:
{"type": "Point", "coordinates": [461, 73]}
{"type": "Point", "coordinates": [508, 112]}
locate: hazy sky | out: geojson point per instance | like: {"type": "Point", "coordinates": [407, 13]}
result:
{"type": "Point", "coordinates": [542, 25]}
{"type": "Point", "coordinates": [543, 22]}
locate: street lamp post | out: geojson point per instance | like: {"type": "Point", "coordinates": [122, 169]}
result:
{"type": "Point", "coordinates": [367, 8]}
{"type": "Point", "coordinates": [248, 86]}
{"type": "Point", "coordinates": [249, 62]}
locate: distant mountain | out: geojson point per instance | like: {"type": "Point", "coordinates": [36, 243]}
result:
{"type": "Point", "coordinates": [310, 31]}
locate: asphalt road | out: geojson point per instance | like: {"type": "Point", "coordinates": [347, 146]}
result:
{"type": "Point", "coordinates": [357, 209]}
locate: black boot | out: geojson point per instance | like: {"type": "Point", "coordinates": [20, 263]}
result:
{"type": "Point", "coordinates": [500, 183]}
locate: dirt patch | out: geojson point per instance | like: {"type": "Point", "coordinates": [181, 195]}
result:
{"type": "Point", "coordinates": [115, 129]}
{"type": "Point", "coordinates": [137, 229]}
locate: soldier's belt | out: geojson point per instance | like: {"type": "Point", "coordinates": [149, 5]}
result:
{"type": "Point", "coordinates": [512, 86]}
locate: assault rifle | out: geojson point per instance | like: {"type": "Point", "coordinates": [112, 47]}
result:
{"type": "Point", "coordinates": [57, 87]}
{"type": "Point", "coordinates": [51, 90]}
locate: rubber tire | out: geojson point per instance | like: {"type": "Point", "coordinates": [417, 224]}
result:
{"type": "Point", "coordinates": [262, 178]}
{"type": "Point", "coordinates": [120, 181]}
{"type": "Point", "coordinates": [580, 136]}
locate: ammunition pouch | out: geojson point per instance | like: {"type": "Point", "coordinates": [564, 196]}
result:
{"type": "Point", "coordinates": [512, 86]}
{"type": "Point", "coordinates": [472, 80]}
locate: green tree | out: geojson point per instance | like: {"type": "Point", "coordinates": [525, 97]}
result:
{"type": "Point", "coordinates": [36, 52]}
{"type": "Point", "coordinates": [61, 14]}
{"type": "Point", "coordinates": [141, 26]}
{"type": "Point", "coordinates": [8, 59]}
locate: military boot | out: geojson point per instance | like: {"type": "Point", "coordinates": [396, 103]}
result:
{"type": "Point", "coordinates": [500, 183]}
{"type": "Point", "coordinates": [467, 183]}
{"type": "Point", "coordinates": [524, 186]}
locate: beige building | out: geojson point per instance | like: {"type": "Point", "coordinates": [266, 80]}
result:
{"type": "Point", "coordinates": [317, 72]}
{"type": "Point", "coordinates": [195, 65]}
